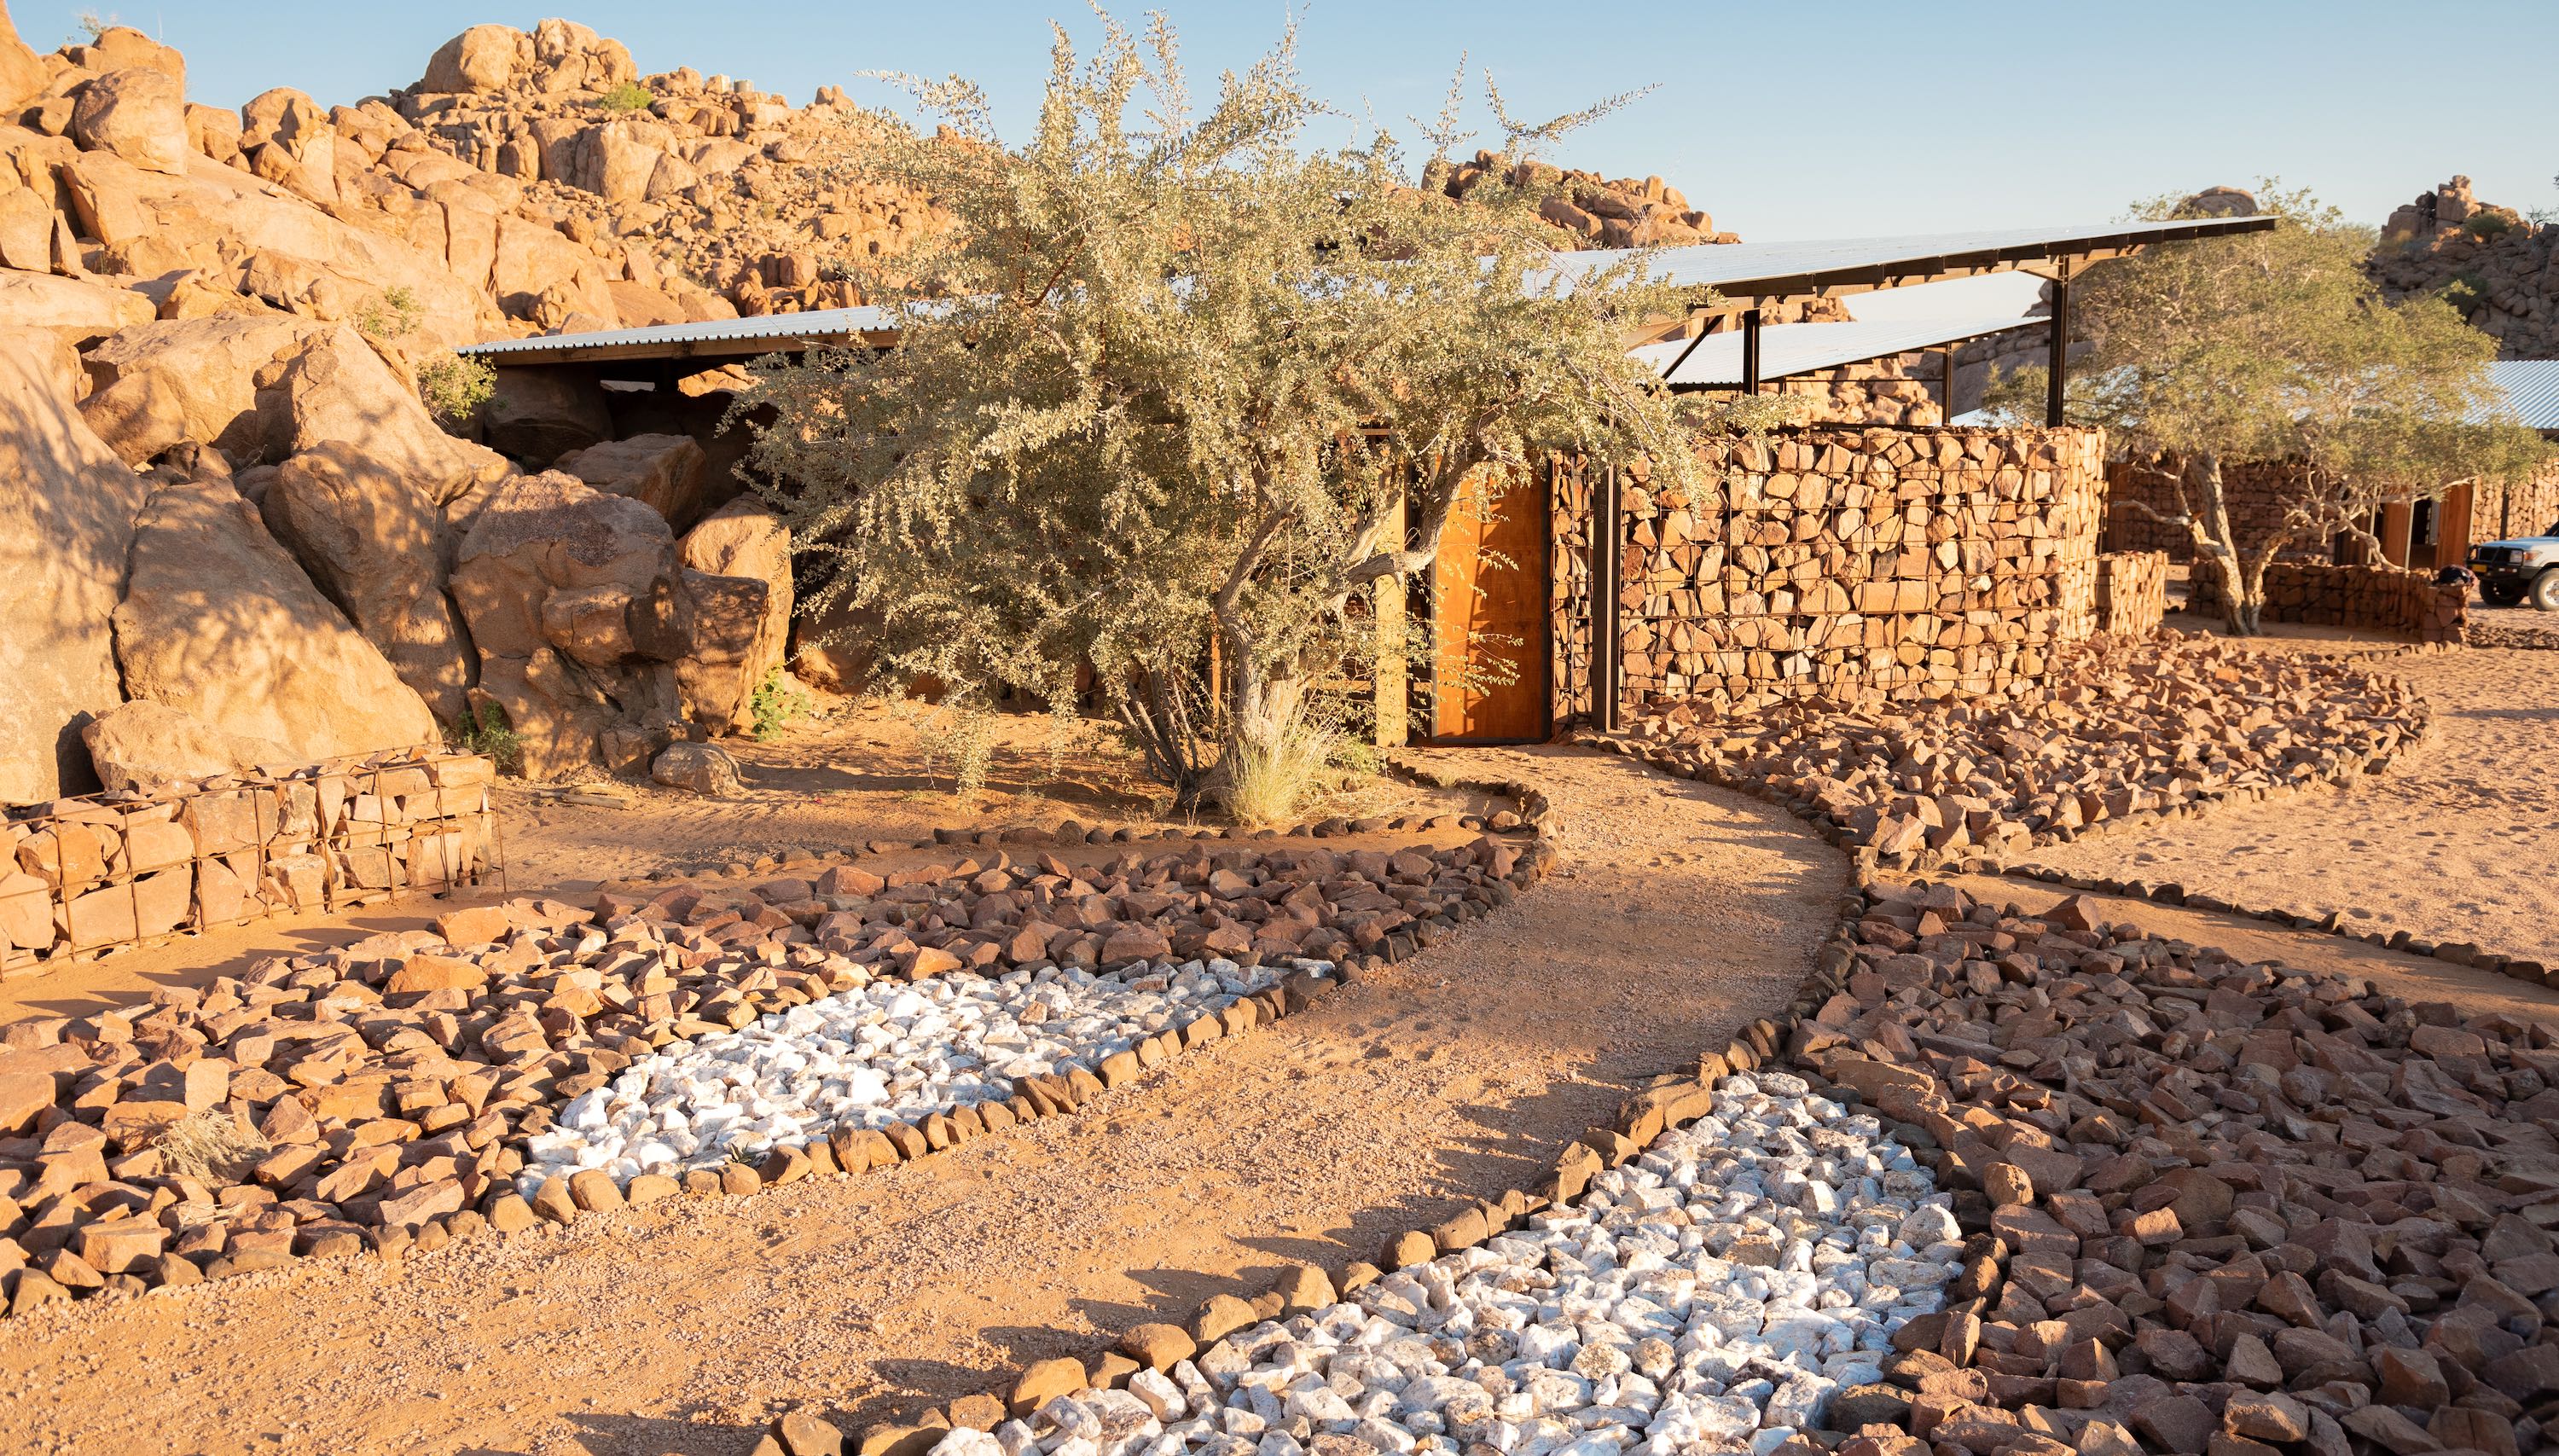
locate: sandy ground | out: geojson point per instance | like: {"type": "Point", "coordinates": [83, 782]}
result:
{"type": "Point", "coordinates": [2454, 848]}
{"type": "Point", "coordinates": [865, 771]}
{"type": "Point", "coordinates": [1683, 913]}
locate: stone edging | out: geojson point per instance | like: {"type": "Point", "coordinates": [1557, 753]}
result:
{"type": "Point", "coordinates": [2454, 952]}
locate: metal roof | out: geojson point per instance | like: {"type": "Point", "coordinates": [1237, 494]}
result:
{"type": "Point", "coordinates": [1801, 349]}
{"type": "Point", "coordinates": [1748, 272]}
{"type": "Point", "coordinates": [1744, 273]}
{"type": "Point", "coordinates": [711, 338]}
{"type": "Point", "coordinates": [2532, 388]}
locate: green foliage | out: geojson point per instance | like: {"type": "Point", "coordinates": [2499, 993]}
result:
{"type": "Point", "coordinates": [778, 702]}
{"type": "Point", "coordinates": [2465, 294]}
{"type": "Point", "coordinates": [2487, 226]}
{"type": "Point", "coordinates": [959, 730]}
{"type": "Point", "coordinates": [2276, 345]}
{"type": "Point", "coordinates": [91, 26]}
{"type": "Point", "coordinates": [486, 731]}
{"type": "Point", "coordinates": [628, 96]}
{"type": "Point", "coordinates": [394, 314]}
{"type": "Point", "coordinates": [454, 388]}
{"type": "Point", "coordinates": [1170, 379]}
{"type": "Point", "coordinates": [1357, 756]}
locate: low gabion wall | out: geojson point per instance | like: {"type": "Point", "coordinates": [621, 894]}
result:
{"type": "Point", "coordinates": [80, 876]}
{"type": "Point", "coordinates": [2370, 598]}
{"type": "Point", "coordinates": [1842, 563]}
{"type": "Point", "coordinates": [2132, 592]}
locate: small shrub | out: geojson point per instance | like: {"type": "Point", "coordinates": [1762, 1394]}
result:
{"type": "Point", "coordinates": [485, 731]}
{"type": "Point", "coordinates": [2465, 294]}
{"type": "Point", "coordinates": [2487, 225]}
{"type": "Point", "coordinates": [961, 733]}
{"type": "Point", "coordinates": [394, 315]}
{"type": "Point", "coordinates": [453, 387]}
{"type": "Point", "coordinates": [778, 703]}
{"type": "Point", "coordinates": [92, 26]}
{"type": "Point", "coordinates": [1266, 784]}
{"type": "Point", "coordinates": [1357, 758]}
{"type": "Point", "coordinates": [628, 96]}
{"type": "Point", "coordinates": [210, 1146]}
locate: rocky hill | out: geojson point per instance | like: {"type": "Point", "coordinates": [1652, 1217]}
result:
{"type": "Point", "coordinates": [2498, 266]}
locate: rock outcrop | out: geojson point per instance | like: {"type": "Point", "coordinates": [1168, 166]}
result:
{"type": "Point", "coordinates": [2499, 269]}
{"type": "Point", "coordinates": [743, 632]}
{"type": "Point", "coordinates": [371, 540]}
{"type": "Point", "coordinates": [220, 623]}
{"type": "Point", "coordinates": [65, 526]}
{"type": "Point", "coordinates": [164, 382]}
{"type": "Point", "coordinates": [141, 745]}
{"type": "Point", "coordinates": [665, 473]}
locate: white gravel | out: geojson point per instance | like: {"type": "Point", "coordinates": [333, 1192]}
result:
{"type": "Point", "coordinates": [882, 1052]}
{"type": "Point", "coordinates": [1710, 1296]}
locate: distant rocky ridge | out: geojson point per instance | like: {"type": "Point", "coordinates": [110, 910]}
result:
{"type": "Point", "coordinates": [2498, 267]}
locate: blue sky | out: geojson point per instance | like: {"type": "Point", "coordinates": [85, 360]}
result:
{"type": "Point", "coordinates": [1785, 120]}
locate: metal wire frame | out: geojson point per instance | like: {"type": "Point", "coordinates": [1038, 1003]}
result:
{"type": "Point", "coordinates": [365, 780]}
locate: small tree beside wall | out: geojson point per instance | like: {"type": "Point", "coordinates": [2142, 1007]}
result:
{"type": "Point", "coordinates": [2271, 347]}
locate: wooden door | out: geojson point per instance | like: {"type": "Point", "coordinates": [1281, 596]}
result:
{"type": "Point", "coordinates": [1488, 616]}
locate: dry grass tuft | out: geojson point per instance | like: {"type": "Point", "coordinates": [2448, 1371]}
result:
{"type": "Point", "coordinates": [1265, 784]}
{"type": "Point", "coordinates": [210, 1146]}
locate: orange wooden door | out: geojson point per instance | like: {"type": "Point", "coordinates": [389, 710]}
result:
{"type": "Point", "coordinates": [1488, 615]}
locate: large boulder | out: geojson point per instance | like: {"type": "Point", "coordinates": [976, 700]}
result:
{"type": "Point", "coordinates": [740, 541]}
{"type": "Point", "coordinates": [575, 604]}
{"type": "Point", "coordinates": [72, 310]}
{"type": "Point", "coordinates": [338, 389]}
{"type": "Point", "coordinates": [481, 59]}
{"type": "Point", "coordinates": [66, 514]}
{"type": "Point", "coordinates": [139, 114]}
{"type": "Point", "coordinates": [663, 472]}
{"type": "Point", "coordinates": [170, 380]}
{"type": "Point", "coordinates": [22, 76]}
{"type": "Point", "coordinates": [540, 414]}
{"type": "Point", "coordinates": [142, 744]}
{"type": "Point", "coordinates": [288, 140]}
{"type": "Point", "coordinates": [371, 540]}
{"type": "Point", "coordinates": [218, 623]}
{"type": "Point", "coordinates": [123, 47]}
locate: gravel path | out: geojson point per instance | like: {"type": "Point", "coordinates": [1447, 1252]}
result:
{"type": "Point", "coordinates": [2456, 847]}
{"type": "Point", "coordinates": [1682, 912]}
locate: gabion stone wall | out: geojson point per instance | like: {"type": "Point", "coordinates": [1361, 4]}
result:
{"type": "Point", "coordinates": [2132, 592]}
{"type": "Point", "coordinates": [2373, 598]}
{"type": "Point", "coordinates": [84, 875]}
{"type": "Point", "coordinates": [1844, 564]}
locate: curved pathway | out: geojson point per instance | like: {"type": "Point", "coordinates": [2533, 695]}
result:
{"type": "Point", "coordinates": [1680, 913]}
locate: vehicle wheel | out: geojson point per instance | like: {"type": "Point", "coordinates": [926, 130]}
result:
{"type": "Point", "coordinates": [2502, 596]}
{"type": "Point", "coordinates": [2545, 591]}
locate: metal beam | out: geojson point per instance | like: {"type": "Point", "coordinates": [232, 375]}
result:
{"type": "Point", "coordinates": [1604, 624]}
{"type": "Point", "coordinates": [1750, 351]}
{"type": "Point", "coordinates": [2056, 367]}
{"type": "Point", "coordinates": [1947, 414]}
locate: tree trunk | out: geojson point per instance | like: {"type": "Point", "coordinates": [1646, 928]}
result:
{"type": "Point", "coordinates": [2243, 593]}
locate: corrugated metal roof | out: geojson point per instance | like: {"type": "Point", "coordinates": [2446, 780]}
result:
{"type": "Point", "coordinates": [1741, 270]}
{"type": "Point", "coordinates": [826, 325]}
{"type": "Point", "coordinates": [1744, 270]}
{"type": "Point", "coordinates": [1798, 349]}
{"type": "Point", "coordinates": [2532, 388]}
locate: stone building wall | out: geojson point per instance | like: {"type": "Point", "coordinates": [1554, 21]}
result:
{"type": "Point", "coordinates": [2256, 490]}
{"type": "Point", "coordinates": [2132, 592]}
{"type": "Point", "coordinates": [1847, 563]}
{"type": "Point", "coordinates": [84, 875]}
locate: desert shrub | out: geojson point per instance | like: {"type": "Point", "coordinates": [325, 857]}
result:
{"type": "Point", "coordinates": [628, 96]}
{"type": "Point", "coordinates": [396, 314]}
{"type": "Point", "coordinates": [959, 732]}
{"type": "Point", "coordinates": [485, 731]}
{"type": "Point", "coordinates": [2487, 225]}
{"type": "Point", "coordinates": [2464, 293]}
{"type": "Point", "coordinates": [1357, 757]}
{"type": "Point", "coordinates": [454, 388]}
{"type": "Point", "coordinates": [778, 702]}
{"type": "Point", "coordinates": [92, 24]}
{"type": "Point", "coordinates": [210, 1146]}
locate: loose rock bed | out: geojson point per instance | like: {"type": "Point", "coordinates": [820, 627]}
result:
{"type": "Point", "coordinates": [2128, 729]}
{"type": "Point", "coordinates": [881, 1054]}
{"type": "Point", "coordinates": [1713, 1294]}
{"type": "Point", "coordinates": [387, 1092]}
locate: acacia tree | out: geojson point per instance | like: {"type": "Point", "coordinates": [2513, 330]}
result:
{"type": "Point", "coordinates": [1172, 378]}
{"type": "Point", "coordinates": [2277, 346]}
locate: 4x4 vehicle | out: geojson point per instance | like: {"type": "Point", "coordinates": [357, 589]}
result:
{"type": "Point", "coordinates": [2511, 571]}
